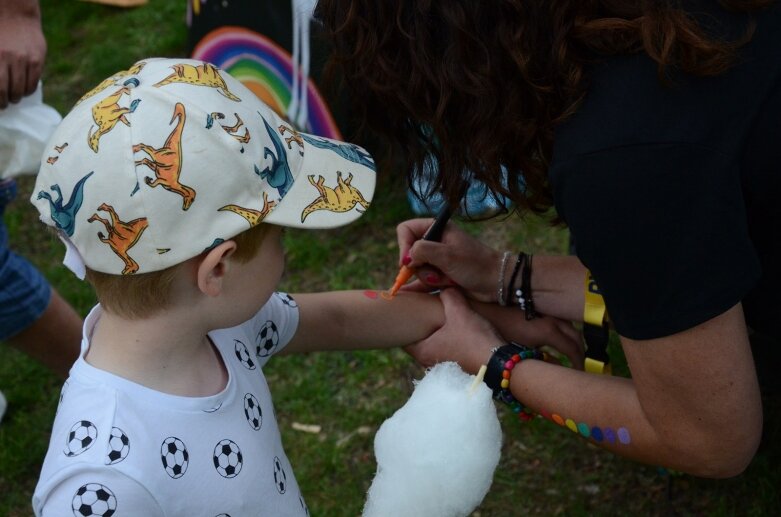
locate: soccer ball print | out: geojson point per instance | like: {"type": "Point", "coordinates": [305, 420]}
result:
{"type": "Point", "coordinates": [268, 339]}
{"type": "Point", "coordinates": [280, 478]}
{"type": "Point", "coordinates": [242, 354]}
{"type": "Point", "coordinates": [252, 411]}
{"type": "Point", "coordinates": [174, 456]}
{"type": "Point", "coordinates": [80, 438]}
{"type": "Point", "coordinates": [94, 499]}
{"type": "Point", "coordinates": [118, 446]}
{"type": "Point", "coordinates": [287, 299]}
{"type": "Point", "coordinates": [227, 459]}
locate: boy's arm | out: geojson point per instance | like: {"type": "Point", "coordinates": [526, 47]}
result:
{"type": "Point", "coordinates": [348, 320]}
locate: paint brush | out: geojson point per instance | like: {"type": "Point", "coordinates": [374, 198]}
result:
{"type": "Point", "coordinates": [434, 233]}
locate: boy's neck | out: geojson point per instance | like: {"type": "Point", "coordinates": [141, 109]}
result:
{"type": "Point", "coordinates": [169, 352]}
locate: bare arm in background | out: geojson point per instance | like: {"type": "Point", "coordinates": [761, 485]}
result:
{"type": "Point", "coordinates": [22, 49]}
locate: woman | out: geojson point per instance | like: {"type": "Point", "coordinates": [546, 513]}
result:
{"type": "Point", "coordinates": [653, 128]}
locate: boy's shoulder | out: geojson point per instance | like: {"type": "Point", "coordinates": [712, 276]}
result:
{"type": "Point", "coordinates": [266, 333]}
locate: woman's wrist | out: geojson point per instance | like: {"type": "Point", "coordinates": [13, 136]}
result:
{"type": "Point", "coordinates": [499, 370]}
{"type": "Point", "coordinates": [558, 286]}
{"type": "Point", "coordinates": [488, 270]}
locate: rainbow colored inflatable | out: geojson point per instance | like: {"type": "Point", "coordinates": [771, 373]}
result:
{"type": "Point", "coordinates": [265, 68]}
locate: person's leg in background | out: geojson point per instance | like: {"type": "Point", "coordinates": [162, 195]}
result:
{"type": "Point", "coordinates": [33, 317]}
{"type": "Point", "coordinates": [54, 338]}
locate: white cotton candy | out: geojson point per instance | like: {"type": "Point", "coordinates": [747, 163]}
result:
{"type": "Point", "coordinates": [436, 455]}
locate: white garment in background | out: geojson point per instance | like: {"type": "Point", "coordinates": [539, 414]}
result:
{"type": "Point", "coordinates": [25, 127]}
{"type": "Point", "coordinates": [298, 110]}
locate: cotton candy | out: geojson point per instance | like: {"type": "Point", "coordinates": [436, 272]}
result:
{"type": "Point", "coordinates": [437, 454]}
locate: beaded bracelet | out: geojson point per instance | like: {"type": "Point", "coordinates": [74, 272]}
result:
{"type": "Point", "coordinates": [500, 367]}
{"type": "Point", "coordinates": [526, 288]}
{"type": "Point", "coordinates": [521, 258]}
{"type": "Point", "coordinates": [517, 292]}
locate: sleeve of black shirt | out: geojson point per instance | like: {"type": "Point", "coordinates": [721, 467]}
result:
{"type": "Point", "coordinates": [662, 227]}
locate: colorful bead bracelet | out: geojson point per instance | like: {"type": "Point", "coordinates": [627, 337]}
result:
{"type": "Point", "coordinates": [500, 367]}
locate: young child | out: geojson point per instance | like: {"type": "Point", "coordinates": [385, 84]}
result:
{"type": "Point", "coordinates": [169, 184]}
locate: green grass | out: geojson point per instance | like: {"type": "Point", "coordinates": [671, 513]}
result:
{"type": "Point", "coordinates": [544, 469]}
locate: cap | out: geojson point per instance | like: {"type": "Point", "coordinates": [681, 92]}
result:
{"type": "Point", "coordinates": [162, 161]}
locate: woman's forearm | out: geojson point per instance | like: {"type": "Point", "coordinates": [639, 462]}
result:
{"type": "Point", "coordinates": [665, 415]}
{"type": "Point", "coordinates": [558, 286]}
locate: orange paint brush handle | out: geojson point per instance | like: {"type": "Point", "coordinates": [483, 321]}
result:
{"type": "Point", "coordinates": [405, 273]}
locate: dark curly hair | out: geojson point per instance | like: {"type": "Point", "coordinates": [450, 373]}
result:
{"type": "Point", "coordinates": [481, 84]}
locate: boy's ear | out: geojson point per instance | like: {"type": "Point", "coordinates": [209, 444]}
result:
{"type": "Point", "coordinates": [213, 267]}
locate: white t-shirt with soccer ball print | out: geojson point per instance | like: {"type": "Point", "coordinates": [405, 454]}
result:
{"type": "Point", "coordinates": [120, 449]}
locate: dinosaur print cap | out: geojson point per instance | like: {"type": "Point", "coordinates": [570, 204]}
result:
{"type": "Point", "coordinates": [168, 158]}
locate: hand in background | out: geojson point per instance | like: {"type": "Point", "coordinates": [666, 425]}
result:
{"type": "Point", "coordinates": [22, 49]}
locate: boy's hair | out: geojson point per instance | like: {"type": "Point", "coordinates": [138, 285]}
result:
{"type": "Point", "coordinates": [143, 295]}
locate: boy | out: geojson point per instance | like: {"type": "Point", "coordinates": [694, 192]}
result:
{"type": "Point", "coordinates": [170, 183]}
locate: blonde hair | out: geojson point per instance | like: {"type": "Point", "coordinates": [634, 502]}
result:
{"type": "Point", "coordinates": [142, 295]}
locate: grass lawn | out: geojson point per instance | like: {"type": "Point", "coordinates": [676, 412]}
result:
{"type": "Point", "coordinates": [544, 468]}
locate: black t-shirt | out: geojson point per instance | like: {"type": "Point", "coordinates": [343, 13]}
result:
{"type": "Point", "coordinates": [673, 192]}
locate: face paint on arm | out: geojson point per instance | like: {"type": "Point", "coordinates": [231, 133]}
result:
{"type": "Point", "coordinates": [598, 434]}
{"type": "Point", "coordinates": [373, 295]}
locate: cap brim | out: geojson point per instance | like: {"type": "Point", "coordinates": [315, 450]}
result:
{"type": "Point", "coordinates": [333, 186]}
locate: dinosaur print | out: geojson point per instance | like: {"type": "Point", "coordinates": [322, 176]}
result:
{"type": "Point", "coordinates": [107, 113]}
{"type": "Point", "coordinates": [211, 117]}
{"type": "Point", "coordinates": [51, 160]}
{"type": "Point", "coordinates": [231, 130]}
{"type": "Point", "coordinates": [205, 74]}
{"type": "Point", "coordinates": [216, 242]}
{"type": "Point", "coordinates": [234, 129]}
{"type": "Point", "coordinates": [295, 136]}
{"type": "Point", "coordinates": [253, 217]}
{"type": "Point", "coordinates": [111, 81]}
{"type": "Point", "coordinates": [64, 215]}
{"type": "Point", "coordinates": [347, 151]}
{"type": "Point", "coordinates": [121, 235]}
{"type": "Point", "coordinates": [343, 198]}
{"type": "Point", "coordinates": [278, 174]}
{"type": "Point", "coordinates": [166, 161]}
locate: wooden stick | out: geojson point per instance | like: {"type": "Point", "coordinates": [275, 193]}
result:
{"type": "Point", "coordinates": [478, 379]}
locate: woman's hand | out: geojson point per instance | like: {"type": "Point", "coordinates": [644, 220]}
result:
{"type": "Point", "coordinates": [458, 260]}
{"type": "Point", "coordinates": [466, 337]}
{"type": "Point", "coordinates": [543, 330]}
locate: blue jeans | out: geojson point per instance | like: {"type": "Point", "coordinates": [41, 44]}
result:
{"type": "Point", "coordinates": [24, 292]}
{"type": "Point", "coordinates": [477, 203]}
